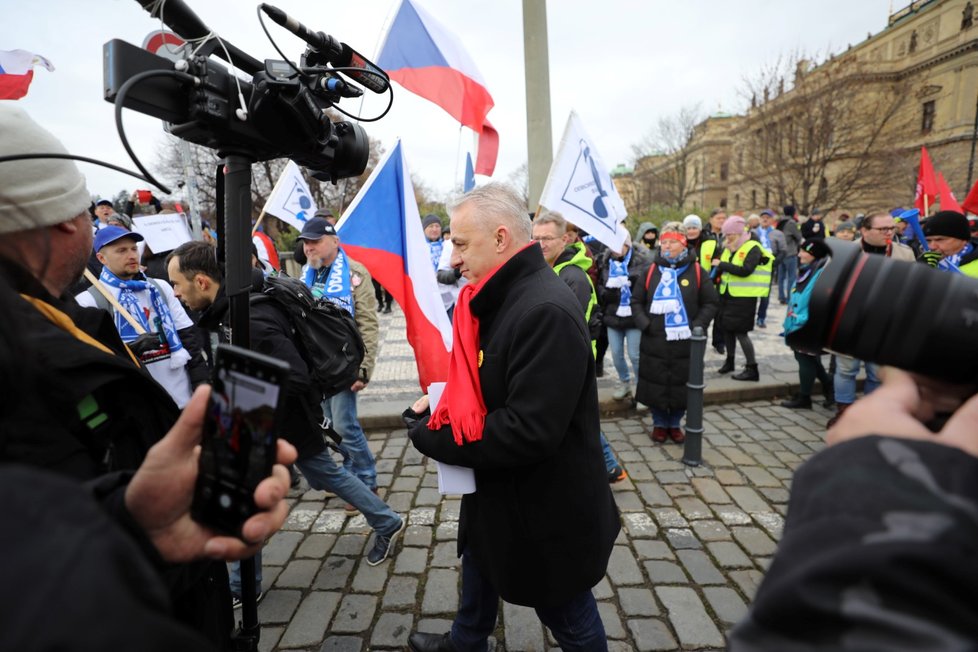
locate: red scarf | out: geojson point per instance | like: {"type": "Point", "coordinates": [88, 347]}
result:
{"type": "Point", "coordinates": [461, 404]}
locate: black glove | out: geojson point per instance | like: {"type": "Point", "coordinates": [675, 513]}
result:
{"type": "Point", "coordinates": [932, 257]}
{"type": "Point", "coordinates": [412, 418]}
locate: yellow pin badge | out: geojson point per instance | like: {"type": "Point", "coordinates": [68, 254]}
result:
{"type": "Point", "coordinates": [481, 356]}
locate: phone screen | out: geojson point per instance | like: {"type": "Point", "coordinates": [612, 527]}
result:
{"type": "Point", "coordinates": [238, 448]}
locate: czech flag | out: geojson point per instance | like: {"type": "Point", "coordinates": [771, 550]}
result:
{"type": "Point", "coordinates": [428, 60]}
{"type": "Point", "coordinates": [17, 71]}
{"type": "Point", "coordinates": [382, 230]}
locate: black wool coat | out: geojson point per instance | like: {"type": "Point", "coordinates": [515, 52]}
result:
{"type": "Point", "coordinates": [663, 366]}
{"type": "Point", "coordinates": [737, 313]}
{"type": "Point", "coordinates": [541, 524]}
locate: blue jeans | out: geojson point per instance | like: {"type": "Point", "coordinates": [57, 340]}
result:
{"type": "Point", "coordinates": [323, 473]}
{"type": "Point", "coordinates": [576, 625]}
{"type": "Point", "coordinates": [846, 370]}
{"type": "Point", "coordinates": [610, 461]}
{"type": "Point", "coordinates": [235, 574]}
{"type": "Point", "coordinates": [787, 275]}
{"type": "Point", "coordinates": [341, 409]}
{"type": "Point", "coordinates": [667, 418]}
{"type": "Point", "coordinates": [762, 309]}
{"type": "Point", "coordinates": [618, 338]}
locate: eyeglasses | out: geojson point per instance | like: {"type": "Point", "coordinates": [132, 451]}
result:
{"type": "Point", "coordinates": [883, 229]}
{"type": "Point", "coordinates": [546, 238]}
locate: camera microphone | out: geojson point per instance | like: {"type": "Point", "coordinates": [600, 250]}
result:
{"type": "Point", "coordinates": [336, 85]}
{"type": "Point", "coordinates": [339, 54]}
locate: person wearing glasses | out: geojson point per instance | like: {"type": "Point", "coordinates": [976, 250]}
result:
{"type": "Point", "coordinates": [877, 236]}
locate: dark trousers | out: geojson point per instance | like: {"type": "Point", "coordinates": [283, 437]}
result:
{"type": "Point", "coordinates": [601, 345]}
{"type": "Point", "coordinates": [576, 625]}
{"type": "Point", "coordinates": [810, 367]}
{"type": "Point", "coordinates": [382, 295]}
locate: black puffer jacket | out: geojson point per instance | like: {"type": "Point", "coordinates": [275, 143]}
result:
{"type": "Point", "coordinates": [610, 298]}
{"type": "Point", "coordinates": [663, 368]}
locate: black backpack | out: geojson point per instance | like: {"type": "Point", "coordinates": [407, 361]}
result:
{"type": "Point", "coordinates": [326, 335]}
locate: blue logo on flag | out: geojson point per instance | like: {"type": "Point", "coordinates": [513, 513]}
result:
{"type": "Point", "coordinates": [298, 202]}
{"type": "Point", "coordinates": [586, 191]}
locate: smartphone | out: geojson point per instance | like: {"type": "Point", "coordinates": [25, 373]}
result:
{"type": "Point", "coordinates": [238, 447]}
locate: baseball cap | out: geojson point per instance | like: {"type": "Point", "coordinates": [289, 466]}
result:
{"type": "Point", "coordinates": [109, 234]}
{"type": "Point", "coordinates": [316, 228]}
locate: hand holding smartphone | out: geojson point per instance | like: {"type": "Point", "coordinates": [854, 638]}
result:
{"type": "Point", "coordinates": [240, 431]}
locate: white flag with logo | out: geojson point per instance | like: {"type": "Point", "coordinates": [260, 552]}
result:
{"type": "Point", "coordinates": [291, 200]}
{"type": "Point", "coordinates": [580, 188]}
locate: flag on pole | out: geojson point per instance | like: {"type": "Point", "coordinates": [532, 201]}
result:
{"type": "Point", "coordinates": [971, 201]}
{"type": "Point", "coordinates": [382, 230]}
{"type": "Point", "coordinates": [926, 184]}
{"type": "Point", "coordinates": [948, 201]}
{"type": "Point", "coordinates": [290, 200]}
{"type": "Point", "coordinates": [17, 71]}
{"type": "Point", "coordinates": [428, 60]}
{"type": "Point", "coordinates": [580, 188]}
{"type": "Point", "coordinates": [469, 182]}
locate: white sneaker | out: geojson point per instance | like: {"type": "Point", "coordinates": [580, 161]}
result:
{"type": "Point", "coordinates": [621, 391]}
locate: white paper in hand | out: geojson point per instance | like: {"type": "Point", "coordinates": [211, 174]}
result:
{"type": "Point", "coordinates": [451, 479]}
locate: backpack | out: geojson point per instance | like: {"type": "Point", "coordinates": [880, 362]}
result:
{"type": "Point", "coordinates": [325, 335]}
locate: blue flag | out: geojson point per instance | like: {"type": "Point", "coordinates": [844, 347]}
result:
{"type": "Point", "coordinates": [469, 183]}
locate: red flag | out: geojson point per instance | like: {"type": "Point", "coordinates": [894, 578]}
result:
{"type": "Point", "coordinates": [948, 201]}
{"type": "Point", "coordinates": [926, 183]}
{"type": "Point", "coordinates": [971, 201]}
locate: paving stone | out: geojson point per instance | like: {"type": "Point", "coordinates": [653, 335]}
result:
{"type": "Point", "coordinates": [316, 546]}
{"type": "Point", "coordinates": [428, 497]}
{"type": "Point", "coordinates": [710, 490]}
{"type": "Point", "coordinates": [441, 592]}
{"type": "Point", "coordinates": [689, 618]}
{"type": "Point", "coordinates": [711, 530]}
{"type": "Point", "coordinates": [278, 606]}
{"type": "Point", "coordinates": [623, 570]}
{"type": "Point", "coordinates": [672, 477]}
{"type": "Point", "coordinates": [665, 572]}
{"type": "Point", "coordinates": [651, 634]}
{"type": "Point", "coordinates": [447, 531]}
{"type": "Point", "coordinates": [411, 561]}
{"type": "Point", "coordinates": [602, 590]}
{"type": "Point", "coordinates": [682, 538]}
{"type": "Point", "coordinates": [311, 620]}
{"type": "Point", "coordinates": [371, 579]}
{"type": "Point", "coordinates": [609, 618]}
{"type": "Point", "coordinates": [280, 548]}
{"type": "Point", "coordinates": [693, 508]}
{"type": "Point", "coordinates": [417, 535]}
{"type": "Point", "coordinates": [700, 567]}
{"type": "Point", "coordinates": [760, 477]}
{"type": "Point", "coordinates": [302, 517]}
{"type": "Point", "coordinates": [336, 643]}
{"type": "Point", "coordinates": [784, 475]}
{"type": "Point", "coordinates": [330, 521]}
{"type": "Point", "coordinates": [653, 550]}
{"type": "Point", "coordinates": [350, 545]}
{"type": "Point", "coordinates": [730, 477]}
{"type": "Point", "coordinates": [392, 630]}
{"type": "Point", "coordinates": [422, 516]}
{"type": "Point", "coordinates": [732, 516]}
{"type": "Point", "coordinates": [726, 604]}
{"type": "Point", "coordinates": [754, 541]}
{"type": "Point", "coordinates": [628, 501]}
{"type": "Point", "coordinates": [522, 628]}
{"type": "Point", "coordinates": [400, 502]}
{"type": "Point", "coordinates": [640, 472]}
{"type": "Point", "coordinates": [450, 509]}
{"type": "Point", "coordinates": [446, 555]}
{"type": "Point", "coordinates": [747, 580]}
{"type": "Point", "coordinates": [401, 591]}
{"type": "Point", "coordinates": [299, 574]}
{"type": "Point", "coordinates": [669, 518]}
{"type": "Point", "coordinates": [729, 555]}
{"type": "Point", "coordinates": [679, 490]}
{"type": "Point", "coordinates": [748, 499]}
{"type": "Point", "coordinates": [640, 525]}
{"type": "Point", "coordinates": [653, 494]}
{"type": "Point", "coordinates": [270, 635]}
{"type": "Point", "coordinates": [334, 573]}
{"type": "Point", "coordinates": [637, 602]}
{"type": "Point", "coordinates": [772, 522]}
{"type": "Point", "coordinates": [355, 614]}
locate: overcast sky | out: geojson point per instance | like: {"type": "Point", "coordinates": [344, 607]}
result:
{"type": "Point", "coordinates": [621, 64]}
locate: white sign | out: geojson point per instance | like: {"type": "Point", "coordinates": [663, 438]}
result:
{"type": "Point", "coordinates": [580, 188]}
{"type": "Point", "coordinates": [162, 232]}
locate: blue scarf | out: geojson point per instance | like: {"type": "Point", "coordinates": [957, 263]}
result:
{"type": "Point", "coordinates": [332, 283]}
{"type": "Point", "coordinates": [436, 248]}
{"type": "Point", "coordinates": [127, 298]}
{"type": "Point", "coordinates": [668, 300]}
{"type": "Point", "coordinates": [951, 263]}
{"type": "Point", "coordinates": [765, 239]}
{"type": "Point", "coordinates": [618, 278]}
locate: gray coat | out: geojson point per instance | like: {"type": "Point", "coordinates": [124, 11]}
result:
{"type": "Point", "coordinates": [792, 235]}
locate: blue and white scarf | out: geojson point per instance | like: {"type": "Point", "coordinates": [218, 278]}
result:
{"type": "Point", "coordinates": [951, 263]}
{"type": "Point", "coordinates": [436, 248]}
{"type": "Point", "coordinates": [668, 301]}
{"type": "Point", "coordinates": [618, 278]}
{"type": "Point", "coordinates": [127, 299]}
{"type": "Point", "coordinates": [332, 283]}
{"type": "Point", "coordinates": [764, 236]}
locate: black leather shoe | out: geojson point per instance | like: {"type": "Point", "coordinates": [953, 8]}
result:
{"type": "Point", "coordinates": [727, 367]}
{"type": "Point", "coordinates": [798, 402]}
{"type": "Point", "coordinates": [421, 642]}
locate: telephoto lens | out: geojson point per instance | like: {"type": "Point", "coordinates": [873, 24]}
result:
{"type": "Point", "coordinates": [895, 313]}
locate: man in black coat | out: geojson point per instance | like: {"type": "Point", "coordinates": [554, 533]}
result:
{"type": "Point", "coordinates": [521, 410]}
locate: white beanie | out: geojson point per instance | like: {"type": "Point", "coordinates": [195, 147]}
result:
{"type": "Point", "coordinates": [39, 192]}
{"type": "Point", "coordinates": [693, 221]}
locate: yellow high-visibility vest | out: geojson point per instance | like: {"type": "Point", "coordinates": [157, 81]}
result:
{"type": "Point", "coordinates": [758, 284]}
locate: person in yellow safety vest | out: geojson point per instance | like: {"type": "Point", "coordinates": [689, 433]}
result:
{"type": "Point", "coordinates": [951, 246]}
{"type": "Point", "coordinates": [571, 262]}
{"type": "Point", "coordinates": [745, 275]}
{"type": "Point", "coordinates": [711, 244]}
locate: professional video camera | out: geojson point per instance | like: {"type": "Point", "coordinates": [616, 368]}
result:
{"type": "Point", "coordinates": [280, 113]}
{"type": "Point", "coordinates": [895, 313]}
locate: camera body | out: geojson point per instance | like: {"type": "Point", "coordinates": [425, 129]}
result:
{"type": "Point", "coordinates": [286, 112]}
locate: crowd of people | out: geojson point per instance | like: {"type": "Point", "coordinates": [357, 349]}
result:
{"type": "Point", "coordinates": [113, 371]}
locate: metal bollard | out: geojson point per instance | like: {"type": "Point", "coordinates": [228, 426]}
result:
{"type": "Point", "coordinates": [693, 448]}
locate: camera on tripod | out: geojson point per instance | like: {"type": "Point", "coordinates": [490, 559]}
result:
{"type": "Point", "coordinates": [280, 113]}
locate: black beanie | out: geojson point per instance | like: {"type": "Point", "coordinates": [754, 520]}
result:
{"type": "Point", "coordinates": [429, 220]}
{"type": "Point", "coordinates": [789, 211]}
{"type": "Point", "coordinates": [816, 247]}
{"type": "Point", "coordinates": [948, 223]}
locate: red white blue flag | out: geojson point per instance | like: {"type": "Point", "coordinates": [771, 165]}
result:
{"type": "Point", "coordinates": [428, 60]}
{"type": "Point", "coordinates": [17, 71]}
{"type": "Point", "coordinates": [382, 230]}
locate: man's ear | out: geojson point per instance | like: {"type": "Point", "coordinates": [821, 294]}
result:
{"type": "Point", "coordinates": [100, 257]}
{"type": "Point", "coordinates": [202, 282]}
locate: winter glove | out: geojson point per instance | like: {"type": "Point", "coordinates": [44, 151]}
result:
{"type": "Point", "coordinates": [932, 258]}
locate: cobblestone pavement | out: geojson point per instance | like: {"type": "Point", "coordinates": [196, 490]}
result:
{"type": "Point", "coordinates": [693, 547]}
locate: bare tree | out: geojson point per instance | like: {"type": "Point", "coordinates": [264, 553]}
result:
{"type": "Point", "coordinates": [520, 180]}
{"type": "Point", "coordinates": [663, 158]}
{"type": "Point", "coordinates": [822, 137]}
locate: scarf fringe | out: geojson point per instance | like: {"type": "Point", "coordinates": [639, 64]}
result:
{"type": "Point", "coordinates": [678, 333]}
{"type": "Point", "coordinates": [664, 307]}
